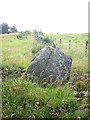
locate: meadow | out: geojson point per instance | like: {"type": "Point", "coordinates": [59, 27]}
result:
{"type": "Point", "coordinates": [22, 98]}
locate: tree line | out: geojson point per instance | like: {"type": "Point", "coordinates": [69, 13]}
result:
{"type": "Point", "coordinates": [6, 29]}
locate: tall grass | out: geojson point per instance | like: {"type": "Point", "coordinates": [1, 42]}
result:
{"type": "Point", "coordinates": [20, 52]}
{"type": "Point", "coordinates": [22, 98]}
{"type": "Point", "coordinates": [76, 51]}
{"type": "Point", "coordinates": [17, 52]}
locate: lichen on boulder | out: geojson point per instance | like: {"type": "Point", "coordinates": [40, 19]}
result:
{"type": "Point", "coordinates": [50, 64]}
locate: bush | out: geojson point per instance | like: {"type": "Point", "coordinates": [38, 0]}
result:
{"type": "Point", "coordinates": [23, 34]}
{"type": "Point", "coordinates": [47, 40]}
{"type": "Point", "coordinates": [24, 99]}
{"type": "Point", "coordinates": [40, 33]}
{"type": "Point", "coordinates": [37, 48]}
{"type": "Point", "coordinates": [20, 36]}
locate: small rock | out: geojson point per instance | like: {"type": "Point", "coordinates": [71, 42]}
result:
{"type": "Point", "coordinates": [86, 76]}
{"type": "Point", "coordinates": [79, 99]}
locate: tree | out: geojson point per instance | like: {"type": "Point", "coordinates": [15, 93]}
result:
{"type": "Point", "coordinates": [4, 28]}
{"type": "Point", "coordinates": [13, 29]}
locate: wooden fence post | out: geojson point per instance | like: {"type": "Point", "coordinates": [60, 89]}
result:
{"type": "Point", "coordinates": [86, 44]}
{"type": "Point", "coordinates": [86, 47]}
{"type": "Point", "coordinates": [60, 42]}
{"type": "Point", "coordinates": [69, 44]}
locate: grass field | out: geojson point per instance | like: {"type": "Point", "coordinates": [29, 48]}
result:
{"type": "Point", "coordinates": [22, 98]}
{"type": "Point", "coordinates": [18, 53]}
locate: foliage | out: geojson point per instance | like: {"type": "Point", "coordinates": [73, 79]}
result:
{"type": "Point", "coordinates": [27, 32]}
{"type": "Point", "coordinates": [19, 53]}
{"type": "Point", "coordinates": [26, 99]}
{"type": "Point", "coordinates": [20, 36]}
{"type": "Point", "coordinates": [37, 48]}
{"type": "Point", "coordinates": [51, 101]}
{"type": "Point", "coordinates": [40, 33]}
{"type": "Point", "coordinates": [23, 34]}
{"type": "Point", "coordinates": [16, 53]}
{"type": "Point", "coordinates": [4, 28]}
{"type": "Point", "coordinates": [13, 29]}
{"type": "Point", "coordinates": [46, 39]}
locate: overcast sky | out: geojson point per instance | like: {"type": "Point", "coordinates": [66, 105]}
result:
{"type": "Point", "coordinates": [59, 16]}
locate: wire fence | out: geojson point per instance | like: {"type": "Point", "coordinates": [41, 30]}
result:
{"type": "Point", "coordinates": [69, 44]}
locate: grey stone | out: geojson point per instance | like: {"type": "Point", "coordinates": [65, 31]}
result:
{"type": "Point", "coordinates": [50, 62]}
{"type": "Point", "coordinates": [36, 36]}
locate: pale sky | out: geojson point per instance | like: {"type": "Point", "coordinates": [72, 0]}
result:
{"type": "Point", "coordinates": [59, 16]}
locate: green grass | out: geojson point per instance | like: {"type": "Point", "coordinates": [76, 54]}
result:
{"type": "Point", "coordinates": [46, 39]}
{"type": "Point", "coordinates": [44, 102]}
{"type": "Point", "coordinates": [76, 51]}
{"type": "Point", "coordinates": [17, 53]}
{"type": "Point", "coordinates": [37, 48]}
{"type": "Point", "coordinates": [22, 98]}
{"type": "Point", "coordinates": [20, 52]}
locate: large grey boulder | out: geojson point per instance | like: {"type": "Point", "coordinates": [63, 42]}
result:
{"type": "Point", "coordinates": [50, 63]}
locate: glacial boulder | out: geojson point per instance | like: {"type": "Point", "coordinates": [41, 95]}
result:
{"type": "Point", "coordinates": [50, 64]}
